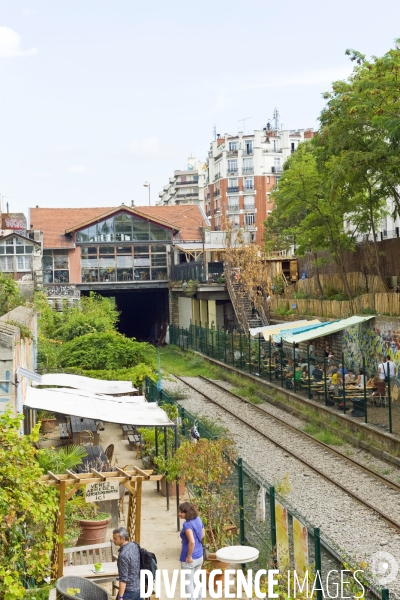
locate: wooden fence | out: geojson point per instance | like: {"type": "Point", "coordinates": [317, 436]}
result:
{"type": "Point", "coordinates": [383, 303]}
{"type": "Point", "coordinates": [330, 282]}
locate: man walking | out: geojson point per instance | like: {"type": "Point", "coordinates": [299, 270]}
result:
{"type": "Point", "coordinates": [128, 564]}
{"type": "Point", "coordinates": [390, 370]}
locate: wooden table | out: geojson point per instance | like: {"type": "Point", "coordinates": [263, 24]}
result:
{"type": "Point", "coordinates": [95, 456]}
{"type": "Point", "coordinates": [110, 572]}
{"type": "Point", "coordinates": [78, 424]}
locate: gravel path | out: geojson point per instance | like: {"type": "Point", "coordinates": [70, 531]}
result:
{"type": "Point", "coordinates": [352, 527]}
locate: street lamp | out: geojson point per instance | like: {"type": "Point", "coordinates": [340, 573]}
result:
{"type": "Point", "coordinates": [147, 184]}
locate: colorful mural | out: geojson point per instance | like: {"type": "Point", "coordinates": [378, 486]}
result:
{"type": "Point", "coordinates": [372, 340]}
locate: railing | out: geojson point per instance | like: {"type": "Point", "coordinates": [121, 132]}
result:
{"type": "Point", "coordinates": [248, 189]}
{"type": "Point", "coordinates": [249, 207]}
{"type": "Point", "coordinates": [191, 195]}
{"type": "Point", "coordinates": [215, 270]}
{"type": "Point", "coordinates": [188, 183]}
{"type": "Point", "coordinates": [233, 189]}
{"type": "Point", "coordinates": [277, 169]}
{"type": "Point", "coordinates": [237, 306]}
{"type": "Point", "coordinates": [274, 150]}
{"type": "Point", "coordinates": [232, 153]}
{"type": "Point", "coordinates": [248, 151]}
{"type": "Point", "coordinates": [248, 169]}
{"type": "Point", "coordinates": [233, 207]}
{"type": "Point", "coordinates": [217, 176]}
{"type": "Point", "coordinates": [217, 193]}
{"type": "Point", "coordinates": [188, 271]}
{"type": "Point", "coordinates": [232, 171]}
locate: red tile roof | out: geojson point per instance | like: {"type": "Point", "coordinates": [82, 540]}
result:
{"type": "Point", "coordinates": [54, 222]}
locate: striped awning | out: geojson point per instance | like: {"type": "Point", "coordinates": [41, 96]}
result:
{"type": "Point", "coordinates": [326, 329]}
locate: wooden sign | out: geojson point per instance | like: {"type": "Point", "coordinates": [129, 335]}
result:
{"type": "Point", "coordinates": [105, 490]}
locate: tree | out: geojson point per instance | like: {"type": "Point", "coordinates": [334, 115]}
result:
{"type": "Point", "coordinates": [311, 208]}
{"type": "Point", "coordinates": [27, 511]}
{"type": "Point", "coordinates": [10, 294]}
{"type": "Point", "coordinates": [105, 351]}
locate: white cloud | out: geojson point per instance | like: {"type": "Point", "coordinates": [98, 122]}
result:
{"type": "Point", "coordinates": [79, 169]}
{"type": "Point", "coordinates": [62, 152]}
{"type": "Point", "coordinates": [10, 44]}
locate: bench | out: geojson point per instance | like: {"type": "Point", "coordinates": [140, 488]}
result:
{"type": "Point", "coordinates": [64, 435]}
{"type": "Point", "coordinates": [135, 443]}
{"type": "Point", "coordinates": [127, 430]}
{"type": "Point", "coordinates": [88, 555]}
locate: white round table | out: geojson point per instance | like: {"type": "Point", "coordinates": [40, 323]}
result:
{"type": "Point", "coordinates": [237, 555]}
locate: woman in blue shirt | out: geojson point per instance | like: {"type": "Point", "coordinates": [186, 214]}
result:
{"type": "Point", "coordinates": [192, 535]}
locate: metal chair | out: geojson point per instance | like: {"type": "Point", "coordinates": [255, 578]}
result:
{"type": "Point", "coordinates": [88, 589]}
{"type": "Point", "coordinates": [109, 452]}
{"type": "Point", "coordinates": [85, 438]}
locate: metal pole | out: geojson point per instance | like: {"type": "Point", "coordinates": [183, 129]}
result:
{"type": "Point", "coordinates": [385, 594]}
{"type": "Point", "coordinates": [178, 521]}
{"type": "Point", "coordinates": [365, 394]}
{"type": "Point", "coordinates": [344, 386]}
{"type": "Point", "coordinates": [217, 342]}
{"type": "Point", "coordinates": [156, 440]}
{"type": "Point", "coordinates": [233, 351]}
{"type": "Point", "coordinates": [272, 515]}
{"type": "Point", "coordinates": [166, 458]}
{"type": "Point", "coordinates": [225, 344]}
{"type": "Point", "coordinates": [294, 367]}
{"type": "Point", "coordinates": [241, 502]}
{"type": "Point", "coordinates": [325, 388]}
{"type": "Point", "coordinates": [241, 352]}
{"type": "Point", "coordinates": [308, 372]}
{"type": "Point", "coordinates": [259, 355]}
{"type": "Point", "coordinates": [281, 359]}
{"type": "Point", "coordinates": [389, 400]}
{"type": "Point", "coordinates": [270, 358]}
{"type": "Point", "coordinates": [317, 552]}
{"type": "Point", "coordinates": [249, 353]}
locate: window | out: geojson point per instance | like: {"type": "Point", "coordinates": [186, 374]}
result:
{"type": "Point", "coordinates": [248, 183]}
{"type": "Point", "coordinates": [249, 203]}
{"type": "Point", "coordinates": [233, 182]}
{"type": "Point", "coordinates": [55, 266]}
{"type": "Point", "coordinates": [277, 162]}
{"type": "Point", "coordinates": [248, 166]}
{"type": "Point", "coordinates": [123, 228]}
{"type": "Point", "coordinates": [248, 147]}
{"type": "Point", "coordinates": [233, 203]}
{"type": "Point", "coordinates": [233, 166]}
{"type": "Point", "coordinates": [249, 219]}
{"type": "Point", "coordinates": [18, 254]}
{"type": "Point", "coordinates": [233, 146]}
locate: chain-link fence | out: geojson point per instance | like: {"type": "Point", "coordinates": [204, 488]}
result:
{"type": "Point", "coordinates": [265, 520]}
{"type": "Point", "coordinates": [333, 381]}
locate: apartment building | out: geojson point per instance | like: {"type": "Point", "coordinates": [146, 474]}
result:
{"type": "Point", "coordinates": [241, 173]}
{"type": "Point", "coordinates": [185, 186]}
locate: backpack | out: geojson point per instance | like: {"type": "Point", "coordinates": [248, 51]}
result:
{"type": "Point", "coordinates": [148, 561]}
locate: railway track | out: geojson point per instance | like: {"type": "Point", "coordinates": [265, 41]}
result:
{"type": "Point", "coordinates": [381, 479]}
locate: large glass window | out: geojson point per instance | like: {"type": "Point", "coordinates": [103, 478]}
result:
{"type": "Point", "coordinates": [18, 255]}
{"type": "Point", "coordinates": [55, 266]}
{"type": "Point", "coordinates": [123, 228]}
{"type": "Point", "coordinates": [123, 263]}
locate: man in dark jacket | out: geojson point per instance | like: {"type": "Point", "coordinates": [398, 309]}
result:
{"type": "Point", "coordinates": [128, 565]}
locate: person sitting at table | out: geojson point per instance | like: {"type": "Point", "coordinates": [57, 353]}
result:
{"type": "Point", "coordinates": [304, 371]}
{"type": "Point", "coordinates": [287, 369]}
{"type": "Point", "coordinates": [331, 369]}
{"type": "Point", "coordinates": [334, 386]}
{"type": "Point", "coordinates": [343, 369]}
{"type": "Point", "coordinates": [360, 379]}
{"type": "Point", "coordinates": [350, 377]}
{"type": "Point", "coordinates": [318, 373]}
{"type": "Point", "coordinates": [288, 373]}
{"type": "Point", "coordinates": [380, 391]}
{"type": "Point", "coordinates": [312, 367]}
{"type": "Point", "coordinates": [371, 381]}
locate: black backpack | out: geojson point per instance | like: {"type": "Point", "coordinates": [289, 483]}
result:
{"type": "Point", "coordinates": [148, 561]}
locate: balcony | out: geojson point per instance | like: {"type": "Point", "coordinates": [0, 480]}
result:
{"type": "Point", "coordinates": [248, 189]}
{"type": "Point", "coordinates": [248, 169]}
{"type": "Point", "coordinates": [233, 171]}
{"type": "Point", "coordinates": [196, 195]}
{"type": "Point", "coordinates": [277, 169]}
{"type": "Point", "coordinates": [217, 193]}
{"type": "Point", "coordinates": [217, 176]}
{"type": "Point", "coordinates": [189, 183]}
{"type": "Point", "coordinates": [248, 151]}
{"type": "Point", "coordinates": [274, 150]}
{"type": "Point", "coordinates": [218, 156]}
{"type": "Point", "coordinates": [249, 207]}
{"type": "Point", "coordinates": [233, 189]}
{"type": "Point", "coordinates": [233, 208]}
{"type": "Point", "coordinates": [232, 153]}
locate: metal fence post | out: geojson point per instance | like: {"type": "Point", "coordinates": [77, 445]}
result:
{"type": "Point", "coordinates": [233, 350]}
{"type": "Point", "coordinates": [212, 342]}
{"type": "Point", "coordinates": [389, 399]}
{"type": "Point", "coordinates": [166, 458]}
{"type": "Point", "coordinates": [249, 341]}
{"type": "Point", "coordinates": [270, 358]}
{"type": "Point", "coordinates": [259, 355]}
{"type": "Point", "coordinates": [218, 342]}
{"type": "Point", "coordinates": [241, 352]}
{"type": "Point", "coordinates": [241, 501]}
{"type": "Point", "coordinates": [156, 442]}
{"type": "Point", "coordinates": [325, 388]}
{"type": "Point", "coordinates": [225, 345]}
{"type": "Point", "coordinates": [294, 367]}
{"type": "Point", "coordinates": [385, 594]}
{"type": "Point", "coordinates": [308, 372]}
{"type": "Point", "coordinates": [317, 552]}
{"type": "Point", "coordinates": [272, 516]}
{"type": "Point", "coordinates": [182, 415]}
{"type": "Point", "coordinates": [281, 359]}
{"type": "Point", "coordinates": [178, 521]}
{"type": "Point", "coordinates": [365, 393]}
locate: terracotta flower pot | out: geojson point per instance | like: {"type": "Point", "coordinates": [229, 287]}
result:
{"type": "Point", "coordinates": [213, 563]}
{"type": "Point", "coordinates": [171, 488]}
{"type": "Point", "coordinates": [93, 532]}
{"type": "Point", "coordinates": [48, 425]}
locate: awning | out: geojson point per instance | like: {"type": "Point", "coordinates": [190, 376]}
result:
{"type": "Point", "coordinates": [268, 328]}
{"type": "Point", "coordinates": [285, 334]}
{"type": "Point", "coordinates": [197, 247]}
{"type": "Point", "coordinates": [144, 414]}
{"type": "Point", "coordinates": [85, 394]}
{"type": "Point", "coordinates": [274, 330]}
{"type": "Point", "coordinates": [97, 386]}
{"type": "Point", "coordinates": [327, 329]}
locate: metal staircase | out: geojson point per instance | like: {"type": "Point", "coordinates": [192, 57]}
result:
{"type": "Point", "coordinates": [242, 304]}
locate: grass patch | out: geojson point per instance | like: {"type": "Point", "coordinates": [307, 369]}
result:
{"type": "Point", "coordinates": [323, 435]}
{"type": "Point", "coordinates": [187, 364]}
{"type": "Point", "coordinates": [249, 392]}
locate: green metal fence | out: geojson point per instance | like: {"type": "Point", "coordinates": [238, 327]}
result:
{"type": "Point", "coordinates": [255, 513]}
{"type": "Point", "coordinates": [296, 369]}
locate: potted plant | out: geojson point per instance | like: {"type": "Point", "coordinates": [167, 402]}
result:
{"type": "Point", "coordinates": [47, 420]}
{"type": "Point", "coordinates": [92, 523]}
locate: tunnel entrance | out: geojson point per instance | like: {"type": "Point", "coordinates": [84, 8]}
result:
{"type": "Point", "coordinates": [144, 313]}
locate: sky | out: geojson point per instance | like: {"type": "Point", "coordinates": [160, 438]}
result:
{"type": "Point", "coordinates": [99, 96]}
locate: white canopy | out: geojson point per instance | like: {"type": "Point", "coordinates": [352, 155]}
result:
{"type": "Point", "coordinates": [143, 414]}
{"type": "Point", "coordinates": [97, 386]}
{"type": "Point", "coordinates": [327, 329]}
{"type": "Point", "coordinates": [85, 394]}
{"type": "Point", "coordinates": [267, 330]}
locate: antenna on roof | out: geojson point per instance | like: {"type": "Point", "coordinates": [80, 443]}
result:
{"type": "Point", "coordinates": [275, 119]}
{"type": "Point", "coordinates": [243, 123]}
